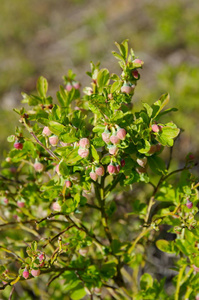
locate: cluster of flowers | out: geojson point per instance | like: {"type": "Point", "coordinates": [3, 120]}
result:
{"type": "Point", "coordinates": [113, 139]}
{"type": "Point", "coordinates": [35, 272]}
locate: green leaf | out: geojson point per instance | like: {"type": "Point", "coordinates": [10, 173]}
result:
{"type": "Point", "coordinates": [11, 138]}
{"type": "Point", "coordinates": [106, 160]}
{"type": "Point", "coordinates": [160, 104]}
{"type": "Point", "coordinates": [148, 108]}
{"type": "Point", "coordinates": [167, 134]}
{"type": "Point", "coordinates": [165, 246]}
{"type": "Point", "coordinates": [42, 86]}
{"type": "Point", "coordinates": [63, 169]}
{"type": "Point", "coordinates": [116, 86]}
{"type": "Point", "coordinates": [118, 56]}
{"type": "Point", "coordinates": [95, 155]}
{"type": "Point", "coordinates": [146, 281]}
{"type": "Point", "coordinates": [157, 164]}
{"type": "Point", "coordinates": [103, 78]}
{"type": "Point", "coordinates": [56, 127]}
{"type": "Point", "coordinates": [78, 292]}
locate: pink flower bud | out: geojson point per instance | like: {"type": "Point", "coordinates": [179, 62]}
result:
{"type": "Point", "coordinates": [56, 206]}
{"type": "Point", "coordinates": [20, 204]}
{"type": "Point", "coordinates": [35, 273]}
{"type": "Point", "coordinates": [114, 139]}
{"type": "Point", "coordinates": [46, 131]}
{"type": "Point", "coordinates": [111, 169]}
{"type": "Point", "coordinates": [122, 163]}
{"type": "Point", "coordinates": [53, 140]}
{"type": "Point", "coordinates": [68, 183]}
{"type": "Point", "coordinates": [84, 143]}
{"type": "Point", "coordinates": [18, 145]}
{"type": "Point", "coordinates": [121, 133]}
{"type": "Point", "coordinates": [126, 88]}
{"type": "Point", "coordinates": [106, 136]}
{"type": "Point", "coordinates": [113, 150]}
{"type": "Point", "coordinates": [189, 204]}
{"type": "Point", "coordinates": [69, 87]}
{"type": "Point", "coordinates": [57, 169]}
{"type": "Point", "coordinates": [135, 74]}
{"type": "Point", "coordinates": [142, 161]}
{"type": "Point", "coordinates": [83, 152]}
{"type": "Point", "coordinates": [38, 167]}
{"type": "Point", "coordinates": [41, 257]}
{"type": "Point", "coordinates": [138, 61]}
{"type": "Point", "coordinates": [8, 159]}
{"type": "Point", "coordinates": [5, 200]}
{"type": "Point", "coordinates": [93, 176]}
{"type": "Point", "coordinates": [155, 128]}
{"type": "Point", "coordinates": [100, 171]}
{"type": "Point", "coordinates": [76, 85]}
{"type": "Point", "coordinates": [25, 274]}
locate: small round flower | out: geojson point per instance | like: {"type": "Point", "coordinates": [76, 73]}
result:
{"type": "Point", "coordinates": [114, 139]}
{"type": "Point", "coordinates": [25, 274]}
{"type": "Point", "coordinates": [41, 257]}
{"type": "Point", "coordinates": [83, 152]}
{"type": "Point", "coordinates": [20, 204]}
{"type": "Point", "coordinates": [38, 167]}
{"type": "Point", "coordinates": [84, 143]}
{"type": "Point", "coordinates": [113, 150]}
{"type": "Point", "coordinates": [76, 85]}
{"type": "Point", "coordinates": [138, 61]}
{"type": "Point", "coordinates": [46, 131]}
{"type": "Point", "coordinates": [121, 133]}
{"type": "Point", "coordinates": [111, 169]}
{"type": "Point", "coordinates": [99, 171]}
{"type": "Point", "coordinates": [8, 159]}
{"type": "Point", "coordinates": [127, 88]}
{"type": "Point", "coordinates": [93, 176]}
{"type": "Point", "coordinates": [189, 204]}
{"type": "Point", "coordinates": [18, 145]}
{"type": "Point", "coordinates": [35, 273]}
{"type": "Point", "coordinates": [106, 136]}
{"type": "Point", "coordinates": [155, 128]}
{"type": "Point", "coordinates": [68, 183]}
{"type": "Point", "coordinates": [53, 140]}
{"type": "Point", "coordinates": [56, 206]}
{"type": "Point", "coordinates": [69, 87]}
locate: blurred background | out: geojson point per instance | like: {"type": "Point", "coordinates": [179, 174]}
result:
{"type": "Point", "coordinates": [49, 37]}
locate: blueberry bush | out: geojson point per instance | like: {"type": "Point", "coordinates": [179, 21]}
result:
{"type": "Point", "coordinates": [90, 187]}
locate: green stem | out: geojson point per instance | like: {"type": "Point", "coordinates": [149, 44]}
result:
{"type": "Point", "coordinates": [179, 282]}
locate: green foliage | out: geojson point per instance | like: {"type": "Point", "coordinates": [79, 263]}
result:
{"type": "Point", "coordinates": [60, 188]}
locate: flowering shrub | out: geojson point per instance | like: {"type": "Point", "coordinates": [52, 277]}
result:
{"type": "Point", "coordinates": [61, 185]}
